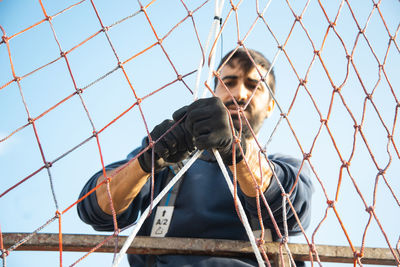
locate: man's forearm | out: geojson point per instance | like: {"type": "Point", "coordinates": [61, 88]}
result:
{"type": "Point", "coordinates": [125, 185]}
{"type": "Point", "coordinates": [245, 178]}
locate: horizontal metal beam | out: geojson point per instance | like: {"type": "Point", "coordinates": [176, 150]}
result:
{"type": "Point", "coordinates": [193, 246]}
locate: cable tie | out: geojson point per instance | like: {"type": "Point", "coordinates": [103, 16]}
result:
{"type": "Point", "coordinates": [139, 100]}
{"type": "Point", "coordinates": [190, 13]}
{"type": "Point", "coordinates": [95, 133]}
{"type": "Point", "coordinates": [48, 165]}
{"type": "Point", "coordinates": [240, 42]}
{"type": "Point", "coordinates": [283, 115]}
{"type": "Point", "coordinates": [306, 156]}
{"type": "Point", "coordinates": [62, 54]}
{"type": "Point", "coordinates": [79, 91]}
{"type": "Point", "coordinates": [369, 96]}
{"type": "Point", "coordinates": [30, 120]}
{"type": "Point", "coordinates": [316, 52]}
{"type": "Point", "coordinates": [179, 77]}
{"type": "Point", "coordinates": [17, 79]}
{"type": "Point", "coordinates": [330, 203]}
{"type": "Point", "coordinates": [58, 214]}
{"type": "Point", "coordinates": [218, 18]}
{"type": "Point", "coordinates": [324, 121]}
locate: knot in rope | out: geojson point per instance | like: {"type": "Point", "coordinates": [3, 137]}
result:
{"type": "Point", "coordinates": [284, 240]}
{"type": "Point", "coordinates": [370, 209]}
{"type": "Point", "coordinates": [358, 254]}
{"type": "Point", "coordinates": [345, 164]}
{"type": "Point", "coordinates": [58, 214]}
{"type": "Point", "coordinates": [260, 242]}
{"type": "Point", "coordinates": [4, 253]}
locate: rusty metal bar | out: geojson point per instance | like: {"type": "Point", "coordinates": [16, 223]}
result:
{"type": "Point", "coordinates": [193, 246]}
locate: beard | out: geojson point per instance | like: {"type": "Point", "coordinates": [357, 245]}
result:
{"type": "Point", "coordinates": [255, 120]}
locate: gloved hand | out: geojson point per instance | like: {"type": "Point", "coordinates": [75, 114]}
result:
{"type": "Point", "coordinates": [208, 121]}
{"type": "Point", "coordinates": [174, 147]}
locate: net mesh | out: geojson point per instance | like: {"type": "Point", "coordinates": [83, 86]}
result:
{"type": "Point", "coordinates": [81, 85]}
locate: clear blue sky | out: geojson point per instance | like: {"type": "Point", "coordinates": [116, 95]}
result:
{"type": "Point", "coordinates": [31, 204]}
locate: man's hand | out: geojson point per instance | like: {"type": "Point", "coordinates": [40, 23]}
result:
{"type": "Point", "coordinates": [208, 122]}
{"type": "Point", "coordinates": [174, 146]}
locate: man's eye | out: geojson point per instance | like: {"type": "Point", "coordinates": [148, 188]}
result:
{"type": "Point", "coordinates": [253, 86]}
{"type": "Point", "coordinates": [230, 83]}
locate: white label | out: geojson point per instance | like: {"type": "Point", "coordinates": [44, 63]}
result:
{"type": "Point", "coordinates": [162, 220]}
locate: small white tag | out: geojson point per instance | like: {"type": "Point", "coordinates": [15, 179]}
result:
{"type": "Point", "coordinates": [162, 220]}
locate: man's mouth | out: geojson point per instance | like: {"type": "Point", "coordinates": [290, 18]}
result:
{"type": "Point", "coordinates": [233, 110]}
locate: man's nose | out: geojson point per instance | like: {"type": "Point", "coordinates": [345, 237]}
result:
{"type": "Point", "coordinates": [241, 93]}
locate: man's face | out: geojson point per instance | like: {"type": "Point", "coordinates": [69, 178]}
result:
{"type": "Point", "coordinates": [242, 85]}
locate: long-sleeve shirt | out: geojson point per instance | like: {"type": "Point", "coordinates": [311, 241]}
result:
{"type": "Point", "coordinates": [204, 208]}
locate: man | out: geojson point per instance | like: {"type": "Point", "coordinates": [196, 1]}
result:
{"type": "Point", "coordinates": [203, 206]}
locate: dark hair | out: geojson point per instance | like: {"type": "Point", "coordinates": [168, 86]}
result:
{"type": "Point", "coordinates": [241, 56]}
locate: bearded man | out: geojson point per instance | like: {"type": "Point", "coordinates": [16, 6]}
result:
{"type": "Point", "coordinates": [202, 206]}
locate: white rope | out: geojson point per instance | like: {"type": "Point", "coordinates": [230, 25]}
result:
{"type": "Point", "coordinates": [163, 192]}
{"type": "Point", "coordinates": [214, 29]}
{"type": "Point", "coordinates": [241, 210]}
{"type": "Point", "coordinates": [129, 240]}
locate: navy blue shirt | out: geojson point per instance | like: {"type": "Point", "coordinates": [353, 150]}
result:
{"type": "Point", "coordinates": [204, 208]}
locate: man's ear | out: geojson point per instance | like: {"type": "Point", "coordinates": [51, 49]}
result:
{"type": "Point", "coordinates": [270, 108]}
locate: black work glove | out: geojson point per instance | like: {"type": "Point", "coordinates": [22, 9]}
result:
{"type": "Point", "coordinates": [208, 121]}
{"type": "Point", "coordinates": [173, 147]}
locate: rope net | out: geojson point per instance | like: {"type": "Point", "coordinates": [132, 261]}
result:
{"type": "Point", "coordinates": [81, 84]}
